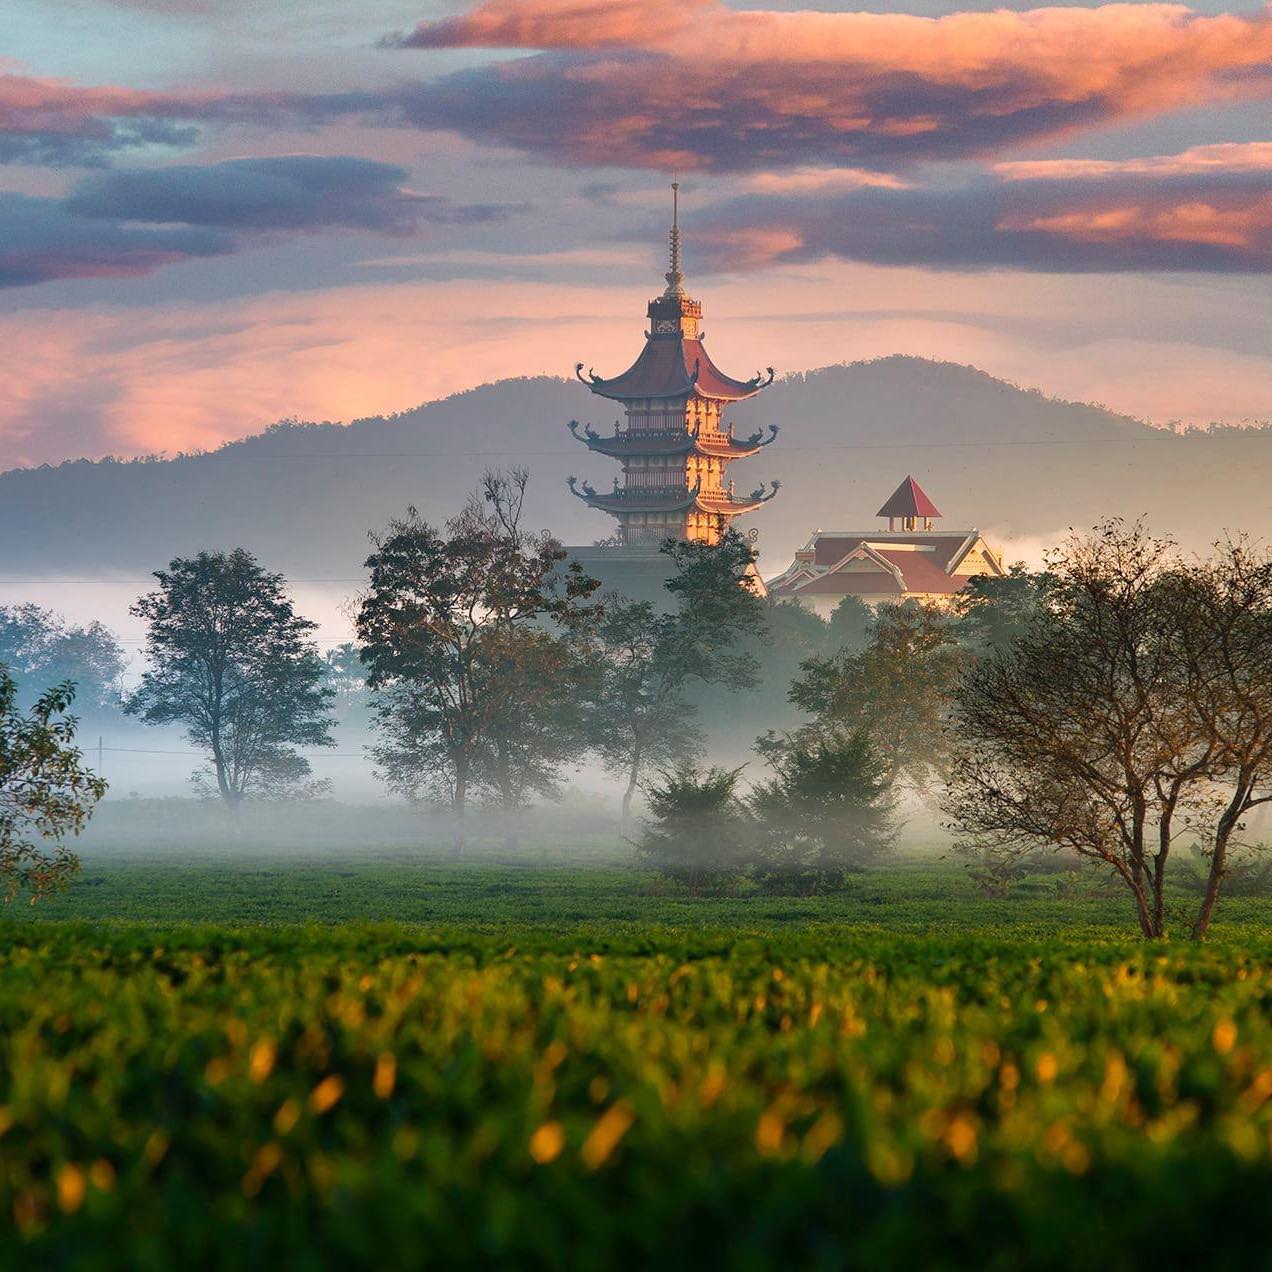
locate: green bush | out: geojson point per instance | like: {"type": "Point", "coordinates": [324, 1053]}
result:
{"type": "Point", "coordinates": [826, 813]}
{"type": "Point", "coordinates": [699, 831]}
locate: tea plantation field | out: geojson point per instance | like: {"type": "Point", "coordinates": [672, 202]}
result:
{"type": "Point", "coordinates": [820, 1094]}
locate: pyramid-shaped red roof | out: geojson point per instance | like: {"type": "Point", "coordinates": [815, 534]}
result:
{"type": "Point", "coordinates": [908, 500]}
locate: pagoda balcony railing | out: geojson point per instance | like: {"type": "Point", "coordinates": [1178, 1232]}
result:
{"type": "Point", "coordinates": [653, 434]}
{"type": "Point", "coordinates": [680, 491]}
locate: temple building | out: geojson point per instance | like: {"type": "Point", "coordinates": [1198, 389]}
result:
{"type": "Point", "coordinates": [673, 445]}
{"type": "Point", "coordinates": [908, 561]}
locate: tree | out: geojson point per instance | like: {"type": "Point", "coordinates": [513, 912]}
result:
{"type": "Point", "coordinates": [42, 650]}
{"type": "Point", "coordinates": [1222, 629]}
{"type": "Point", "coordinates": [1135, 705]}
{"type": "Point", "coordinates": [645, 719]}
{"type": "Point", "coordinates": [541, 686]}
{"type": "Point", "coordinates": [898, 688]}
{"type": "Point", "coordinates": [699, 832]}
{"type": "Point", "coordinates": [993, 611]}
{"type": "Point", "coordinates": [232, 661]}
{"type": "Point", "coordinates": [851, 622]}
{"type": "Point", "coordinates": [45, 791]}
{"type": "Point", "coordinates": [826, 812]}
{"type": "Point", "coordinates": [436, 626]}
{"type": "Point", "coordinates": [346, 677]}
{"type": "Point", "coordinates": [787, 636]}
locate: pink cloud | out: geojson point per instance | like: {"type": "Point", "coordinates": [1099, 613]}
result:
{"type": "Point", "coordinates": [1216, 159]}
{"type": "Point", "coordinates": [176, 376]}
{"type": "Point", "coordinates": [556, 24]}
{"type": "Point", "coordinates": [48, 121]}
{"type": "Point", "coordinates": [707, 86]}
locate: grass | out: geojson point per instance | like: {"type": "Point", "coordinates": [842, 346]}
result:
{"type": "Point", "coordinates": [300, 1055]}
{"type": "Point", "coordinates": [589, 883]}
{"type": "Point", "coordinates": [815, 1097]}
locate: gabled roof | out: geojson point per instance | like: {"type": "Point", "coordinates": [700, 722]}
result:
{"type": "Point", "coordinates": [908, 500]}
{"type": "Point", "coordinates": [673, 367]}
{"type": "Point", "coordinates": [916, 563]}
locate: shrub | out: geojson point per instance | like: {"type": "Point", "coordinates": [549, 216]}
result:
{"type": "Point", "coordinates": [826, 813]}
{"type": "Point", "coordinates": [699, 830]}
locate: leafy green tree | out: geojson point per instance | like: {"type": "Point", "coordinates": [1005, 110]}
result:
{"type": "Point", "coordinates": [42, 650]}
{"type": "Point", "coordinates": [436, 625]}
{"type": "Point", "coordinates": [45, 790]}
{"type": "Point", "coordinates": [542, 686]}
{"type": "Point", "coordinates": [698, 832]}
{"type": "Point", "coordinates": [826, 812]}
{"type": "Point", "coordinates": [651, 658]}
{"type": "Point", "coordinates": [994, 612]}
{"type": "Point", "coordinates": [851, 622]}
{"type": "Point", "coordinates": [232, 661]}
{"type": "Point", "coordinates": [787, 636]}
{"type": "Point", "coordinates": [899, 688]}
{"type": "Point", "coordinates": [346, 677]}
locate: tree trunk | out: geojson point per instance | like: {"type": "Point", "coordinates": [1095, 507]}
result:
{"type": "Point", "coordinates": [632, 781]}
{"type": "Point", "coordinates": [459, 806]}
{"type": "Point", "coordinates": [1165, 830]}
{"type": "Point", "coordinates": [1218, 861]}
{"type": "Point", "coordinates": [1145, 915]}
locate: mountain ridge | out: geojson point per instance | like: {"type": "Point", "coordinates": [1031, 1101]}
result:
{"type": "Point", "coordinates": [303, 495]}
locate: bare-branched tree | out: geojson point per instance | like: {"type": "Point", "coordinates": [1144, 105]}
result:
{"type": "Point", "coordinates": [1136, 705]}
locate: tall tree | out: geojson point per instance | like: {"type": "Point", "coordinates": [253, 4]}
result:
{"type": "Point", "coordinates": [346, 677]}
{"type": "Point", "coordinates": [1221, 612]}
{"type": "Point", "coordinates": [45, 790]}
{"type": "Point", "coordinates": [232, 661]}
{"type": "Point", "coordinates": [542, 686]}
{"type": "Point", "coordinates": [42, 649]}
{"type": "Point", "coordinates": [994, 611]}
{"type": "Point", "coordinates": [1137, 704]}
{"type": "Point", "coordinates": [646, 721]}
{"type": "Point", "coordinates": [435, 625]}
{"type": "Point", "coordinates": [899, 688]}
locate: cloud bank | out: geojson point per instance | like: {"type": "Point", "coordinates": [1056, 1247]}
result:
{"type": "Point", "coordinates": [1206, 209]}
{"type": "Point", "coordinates": [701, 86]}
{"type": "Point", "coordinates": [135, 221]}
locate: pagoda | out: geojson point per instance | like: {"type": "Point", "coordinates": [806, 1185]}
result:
{"type": "Point", "coordinates": [674, 445]}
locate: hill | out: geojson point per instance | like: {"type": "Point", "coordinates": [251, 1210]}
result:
{"type": "Point", "coordinates": [303, 496]}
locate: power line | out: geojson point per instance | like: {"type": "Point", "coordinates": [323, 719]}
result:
{"type": "Point", "coordinates": [132, 750]}
{"type": "Point", "coordinates": [1163, 437]}
{"type": "Point", "coordinates": [141, 582]}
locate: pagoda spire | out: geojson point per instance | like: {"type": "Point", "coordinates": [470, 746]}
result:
{"type": "Point", "coordinates": [675, 279]}
{"type": "Point", "coordinates": [675, 445]}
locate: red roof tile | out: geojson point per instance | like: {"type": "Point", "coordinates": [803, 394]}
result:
{"type": "Point", "coordinates": [830, 548]}
{"type": "Point", "coordinates": [908, 500]}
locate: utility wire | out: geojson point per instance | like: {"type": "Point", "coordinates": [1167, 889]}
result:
{"type": "Point", "coordinates": [506, 453]}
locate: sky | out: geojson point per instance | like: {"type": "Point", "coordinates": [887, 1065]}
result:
{"type": "Point", "coordinates": [218, 213]}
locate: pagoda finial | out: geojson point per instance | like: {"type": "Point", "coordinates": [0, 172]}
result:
{"type": "Point", "coordinates": [675, 279]}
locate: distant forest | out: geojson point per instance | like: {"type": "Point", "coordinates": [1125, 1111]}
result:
{"type": "Point", "coordinates": [302, 496]}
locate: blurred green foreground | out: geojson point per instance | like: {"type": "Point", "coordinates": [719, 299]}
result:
{"type": "Point", "coordinates": [821, 1096]}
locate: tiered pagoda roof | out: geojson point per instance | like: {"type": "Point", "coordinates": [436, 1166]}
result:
{"type": "Point", "coordinates": [674, 445]}
{"type": "Point", "coordinates": [669, 499]}
{"type": "Point", "coordinates": [674, 367]}
{"type": "Point", "coordinates": [623, 443]}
